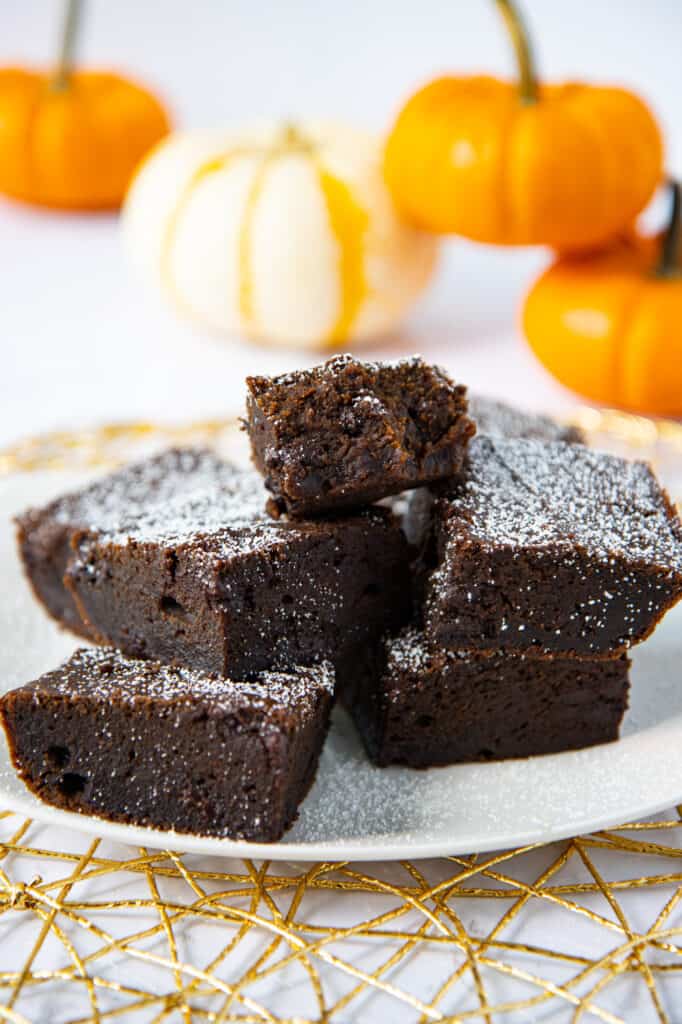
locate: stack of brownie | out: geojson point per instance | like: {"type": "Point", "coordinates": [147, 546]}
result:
{"type": "Point", "coordinates": [486, 616]}
{"type": "Point", "coordinates": [538, 568]}
{"type": "Point", "coordinates": [221, 629]}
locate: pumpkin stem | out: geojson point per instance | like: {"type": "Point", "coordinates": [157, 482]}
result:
{"type": "Point", "coordinates": [67, 46]}
{"type": "Point", "coordinates": [291, 137]}
{"type": "Point", "coordinates": [528, 82]}
{"type": "Point", "coordinates": [670, 265]}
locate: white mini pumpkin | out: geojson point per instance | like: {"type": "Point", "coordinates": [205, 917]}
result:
{"type": "Point", "coordinates": [286, 234]}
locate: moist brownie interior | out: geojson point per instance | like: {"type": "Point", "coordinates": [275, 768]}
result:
{"type": "Point", "coordinates": [420, 705]}
{"type": "Point", "coordinates": [347, 433]}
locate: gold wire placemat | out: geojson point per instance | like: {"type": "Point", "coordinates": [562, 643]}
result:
{"type": "Point", "coordinates": [96, 932]}
{"type": "Point", "coordinates": [347, 931]}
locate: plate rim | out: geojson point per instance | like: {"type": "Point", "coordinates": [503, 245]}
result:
{"type": "Point", "coordinates": [367, 850]}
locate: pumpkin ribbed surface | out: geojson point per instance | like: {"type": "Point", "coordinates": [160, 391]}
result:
{"type": "Point", "coordinates": [74, 147]}
{"type": "Point", "coordinates": [608, 328]}
{"type": "Point", "coordinates": [467, 156]}
{"type": "Point", "coordinates": [287, 235]}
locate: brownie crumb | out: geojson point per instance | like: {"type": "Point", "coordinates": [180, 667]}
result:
{"type": "Point", "coordinates": [349, 433]}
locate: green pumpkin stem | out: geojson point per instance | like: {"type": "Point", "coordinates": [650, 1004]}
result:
{"type": "Point", "coordinates": [670, 264]}
{"type": "Point", "coordinates": [528, 82]}
{"type": "Point", "coordinates": [70, 24]}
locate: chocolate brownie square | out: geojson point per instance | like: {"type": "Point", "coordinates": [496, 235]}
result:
{"type": "Point", "coordinates": [207, 579]}
{"type": "Point", "coordinates": [546, 549]}
{"type": "Point", "coordinates": [45, 534]}
{"type": "Point", "coordinates": [347, 433]}
{"type": "Point", "coordinates": [150, 744]}
{"type": "Point", "coordinates": [420, 705]}
{"type": "Point", "coordinates": [498, 419]}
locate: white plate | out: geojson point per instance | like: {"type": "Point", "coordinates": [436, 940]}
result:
{"type": "Point", "coordinates": [359, 812]}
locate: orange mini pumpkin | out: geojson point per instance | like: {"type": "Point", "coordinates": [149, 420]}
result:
{"type": "Point", "coordinates": [520, 163]}
{"type": "Point", "coordinates": [72, 139]}
{"type": "Point", "coordinates": [607, 325]}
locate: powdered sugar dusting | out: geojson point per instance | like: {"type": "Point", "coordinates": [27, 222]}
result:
{"type": "Point", "coordinates": [97, 672]}
{"type": "Point", "coordinates": [410, 653]}
{"type": "Point", "coordinates": [132, 489]}
{"type": "Point", "coordinates": [230, 508]}
{"type": "Point", "coordinates": [337, 365]}
{"type": "Point", "coordinates": [529, 493]}
{"type": "Point", "coordinates": [407, 652]}
{"type": "Point", "coordinates": [172, 498]}
{"type": "Point", "coordinates": [551, 547]}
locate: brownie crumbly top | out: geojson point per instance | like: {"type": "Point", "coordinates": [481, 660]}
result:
{"type": "Point", "coordinates": [501, 420]}
{"type": "Point", "coordinates": [101, 672]}
{"type": "Point", "coordinates": [343, 392]}
{"type": "Point", "coordinates": [535, 494]}
{"type": "Point", "coordinates": [336, 368]}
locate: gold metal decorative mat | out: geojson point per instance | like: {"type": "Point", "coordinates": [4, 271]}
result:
{"type": "Point", "coordinates": [111, 933]}
{"type": "Point", "coordinates": [586, 929]}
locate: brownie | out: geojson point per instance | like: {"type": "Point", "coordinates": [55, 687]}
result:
{"type": "Point", "coordinates": [420, 705]}
{"type": "Point", "coordinates": [149, 744]}
{"type": "Point", "coordinates": [498, 419]}
{"type": "Point", "coordinates": [501, 420]}
{"type": "Point", "coordinates": [546, 549]}
{"type": "Point", "coordinates": [45, 534]}
{"type": "Point", "coordinates": [204, 577]}
{"type": "Point", "coordinates": [348, 433]}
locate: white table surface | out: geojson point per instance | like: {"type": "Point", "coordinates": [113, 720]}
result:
{"type": "Point", "coordinates": [83, 343]}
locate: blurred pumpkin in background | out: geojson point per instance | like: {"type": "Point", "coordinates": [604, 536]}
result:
{"type": "Point", "coordinates": [607, 324]}
{"type": "Point", "coordinates": [71, 139]}
{"type": "Point", "coordinates": [285, 233]}
{"type": "Point", "coordinates": [522, 163]}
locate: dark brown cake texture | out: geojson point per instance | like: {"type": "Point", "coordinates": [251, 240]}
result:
{"type": "Point", "coordinates": [204, 577]}
{"type": "Point", "coordinates": [498, 419]}
{"type": "Point", "coordinates": [45, 534]}
{"type": "Point", "coordinates": [148, 744]}
{"type": "Point", "coordinates": [348, 433]}
{"type": "Point", "coordinates": [546, 549]}
{"type": "Point", "coordinates": [422, 706]}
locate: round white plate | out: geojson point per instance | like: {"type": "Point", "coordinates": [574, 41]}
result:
{"type": "Point", "coordinates": [358, 812]}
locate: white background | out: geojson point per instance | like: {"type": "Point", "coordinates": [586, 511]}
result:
{"type": "Point", "coordinates": [82, 341]}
